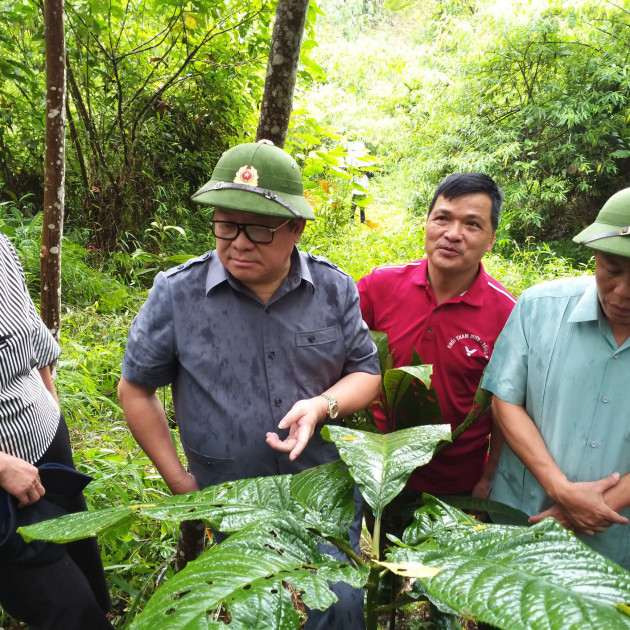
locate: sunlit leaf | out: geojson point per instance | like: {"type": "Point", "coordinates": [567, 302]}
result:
{"type": "Point", "coordinates": [382, 463]}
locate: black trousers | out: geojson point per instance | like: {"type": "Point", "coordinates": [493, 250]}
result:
{"type": "Point", "coordinates": [69, 593]}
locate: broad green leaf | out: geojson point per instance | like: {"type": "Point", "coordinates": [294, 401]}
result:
{"type": "Point", "coordinates": [410, 400]}
{"type": "Point", "coordinates": [230, 506]}
{"type": "Point", "coordinates": [381, 464]}
{"type": "Point", "coordinates": [227, 507]}
{"type": "Point", "coordinates": [382, 348]}
{"type": "Point", "coordinates": [326, 493]}
{"type": "Point", "coordinates": [434, 516]}
{"type": "Point", "coordinates": [322, 496]}
{"type": "Point", "coordinates": [517, 517]}
{"type": "Point", "coordinates": [522, 578]}
{"type": "Point", "coordinates": [247, 572]}
{"type": "Point", "coordinates": [80, 525]}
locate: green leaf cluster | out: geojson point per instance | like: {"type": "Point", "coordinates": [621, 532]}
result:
{"type": "Point", "coordinates": [512, 577]}
{"type": "Point", "coordinates": [156, 91]}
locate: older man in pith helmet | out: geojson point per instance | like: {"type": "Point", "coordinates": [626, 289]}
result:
{"type": "Point", "coordinates": [261, 343]}
{"type": "Point", "coordinates": [560, 375]}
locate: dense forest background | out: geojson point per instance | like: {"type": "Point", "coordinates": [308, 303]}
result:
{"type": "Point", "coordinates": [391, 98]}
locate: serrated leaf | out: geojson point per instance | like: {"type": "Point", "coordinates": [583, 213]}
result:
{"type": "Point", "coordinates": [230, 506]}
{"type": "Point", "coordinates": [326, 494]}
{"type": "Point", "coordinates": [433, 517]}
{"type": "Point", "coordinates": [381, 464]}
{"type": "Point", "coordinates": [523, 577]}
{"type": "Point", "coordinates": [247, 572]}
{"type": "Point", "coordinates": [227, 507]}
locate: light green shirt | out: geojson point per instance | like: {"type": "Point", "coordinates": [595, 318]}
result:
{"type": "Point", "coordinates": [557, 356]}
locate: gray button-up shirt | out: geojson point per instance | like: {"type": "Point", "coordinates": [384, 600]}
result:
{"type": "Point", "coordinates": [237, 365]}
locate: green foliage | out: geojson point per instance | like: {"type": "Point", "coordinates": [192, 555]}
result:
{"type": "Point", "coordinates": [382, 463]}
{"type": "Point", "coordinates": [497, 574]}
{"type": "Point", "coordinates": [534, 94]}
{"type": "Point", "coordinates": [539, 102]}
{"type": "Point", "coordinates": [523, 575]}
{"type": "Point", "coordinates": [156, 92]}
{"type": "Point", "coordinates": [82, 284]}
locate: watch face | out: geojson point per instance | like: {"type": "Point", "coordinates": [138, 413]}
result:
{"type": "Point", "coordinates": [333, 409]}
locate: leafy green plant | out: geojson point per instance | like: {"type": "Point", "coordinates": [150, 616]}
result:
{"type": "Point", "coordinates": [503, 575]}
{"type": "Point", "coordinates": [160, 234]}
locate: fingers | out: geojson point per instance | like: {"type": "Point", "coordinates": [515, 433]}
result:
{"type": "Point", "coordinates": [294, 444]}
{"type": "Point", "coordinates": [303, 436]}
{"type": "Point", "coordinates": [31, 494]}
{"type": "Point", "coordinates": [608, 482]}
{"type": "Point", "coordinates": [616, 518]}
{"type": "Point", "coordinates": [289, 419]}
{"type": "Point", "coordinates": [276, 443]}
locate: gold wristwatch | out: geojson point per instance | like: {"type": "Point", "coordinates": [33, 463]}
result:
{"type": "Point", "coordinates": [333, 407]}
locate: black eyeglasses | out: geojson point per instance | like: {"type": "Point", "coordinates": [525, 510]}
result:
{"type": "Point", "coordinates": [229, 231]}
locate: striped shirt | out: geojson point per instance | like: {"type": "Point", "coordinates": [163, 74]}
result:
{"type": "Point", "coordinates": [29, 415]}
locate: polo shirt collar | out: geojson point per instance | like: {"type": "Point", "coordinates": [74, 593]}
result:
{"type": "Point", "coordinates": [474, 295]}
{"type": "Point", "coordinates": [587, 309]}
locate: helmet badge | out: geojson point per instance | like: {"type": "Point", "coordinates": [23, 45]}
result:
{"type": "Point", "coordinates": [247, 175]}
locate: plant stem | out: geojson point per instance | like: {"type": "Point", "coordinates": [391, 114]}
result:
{"type": "Point", "coordinates": [376, 538]}
{"type": "Point", "coordinates": [371, 589]}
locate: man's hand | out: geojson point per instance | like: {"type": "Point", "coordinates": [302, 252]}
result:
{"type": "Point", "coordinates": [555, 511]}
{"type": "Point", "coordinates": [20, 479]}
{"type": "Point", "coordinates": [481, 490]}
{"type": "Point", "coordinates": [582, 503]}
{"type": "Point", "coordinates": [300, 421]}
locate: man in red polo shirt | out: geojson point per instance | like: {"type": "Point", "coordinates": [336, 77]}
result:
{"type": "Point", "coordinates": [451, 312]}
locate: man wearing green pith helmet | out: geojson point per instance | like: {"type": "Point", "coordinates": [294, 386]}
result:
{"type": "Point", "coordinates": [560, 374]}
{"type": "Point", "coordinates": [261, 343]}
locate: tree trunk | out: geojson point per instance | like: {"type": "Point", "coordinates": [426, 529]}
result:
{"type": "Point", "coordinates": [284, 56]}
{"type": "Point", "coordinates": [55, 165]}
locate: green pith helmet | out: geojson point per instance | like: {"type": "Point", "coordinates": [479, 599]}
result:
{"type": "Point", "coordinates": [610, 232]}
{"type": "Point", "coordinates": [259, 178]}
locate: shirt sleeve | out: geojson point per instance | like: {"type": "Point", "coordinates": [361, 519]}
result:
{"type": "Point", "coordinates": [506, 374]}
{"type": "Point", "coordinates": [361, 354]}
{"type": "Point", "coordinates": [150, 356]}
{"type": "Point", "coordinates": [44, 347]}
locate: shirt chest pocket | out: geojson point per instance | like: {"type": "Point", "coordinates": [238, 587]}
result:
{"type": "Point", "coordinates": [318, 360]}
{"type": "Point", "coordinates": [319, 337]}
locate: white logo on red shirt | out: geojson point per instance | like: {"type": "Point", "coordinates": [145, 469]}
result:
{"type": "Point", "coordinates": [464, 338]}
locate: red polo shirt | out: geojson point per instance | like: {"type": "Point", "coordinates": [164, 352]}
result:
{"type": "Point", "coordinates": [457, 338]}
